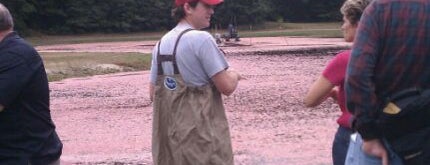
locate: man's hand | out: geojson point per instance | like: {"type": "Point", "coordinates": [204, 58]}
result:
{"type": "Point", "coordinates": [375, 148]}
{"type": "Point", "coordinates": [1, 107]}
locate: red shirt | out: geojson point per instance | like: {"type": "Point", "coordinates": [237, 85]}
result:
{"type": "Point", "coordinates": [335, 73]}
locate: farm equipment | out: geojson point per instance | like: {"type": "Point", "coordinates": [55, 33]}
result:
{"type": "Point", "coordinates": [231, 33]}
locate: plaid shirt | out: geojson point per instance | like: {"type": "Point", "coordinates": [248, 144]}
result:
{"type": "Point", "coordinates": [391, 52]}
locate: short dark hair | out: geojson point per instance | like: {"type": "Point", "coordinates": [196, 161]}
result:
{"type": "Point", "coordinates": [178, 13]}
{"type": "Point", "coordinates": [6, 21]}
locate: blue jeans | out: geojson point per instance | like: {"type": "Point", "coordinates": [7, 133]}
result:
{"type": "Point", "coordinates": [340, 145]}
{"type": "Point", "coordinates": [356, 156]}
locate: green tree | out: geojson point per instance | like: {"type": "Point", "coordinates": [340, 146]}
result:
{"type": "Point", "coordinates": [154, 15]}
{"type": "Point", "coordinates": [51, 16]}
{"type": "Point", "coordinates": [242, 12]}
{"type": "Point", "coordinates": [308, 10]}
{"type": "Point", "coordinates": [112, 16]}
{"type": "Point", "coordinates": [22, 12]}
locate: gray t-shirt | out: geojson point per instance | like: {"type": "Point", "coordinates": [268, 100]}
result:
{"type": "Point", "coordinates": [198, 56]}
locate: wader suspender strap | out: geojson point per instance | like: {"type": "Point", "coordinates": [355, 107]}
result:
{"type": "Point", "coordinates": [162, 58]}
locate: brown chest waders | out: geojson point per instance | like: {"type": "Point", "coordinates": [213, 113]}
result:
{"type": "Point", "coordinates": [189, 123]}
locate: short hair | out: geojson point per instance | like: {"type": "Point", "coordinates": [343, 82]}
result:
{"type": "Point", "coordinates": [178, 13]}
{"type": "Point", "coordinates": [6, 21]}
{"type": "Point", "coordinates": [353, 9]}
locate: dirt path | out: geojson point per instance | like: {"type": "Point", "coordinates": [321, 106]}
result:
{"type": "Point", "coordinates": [107, 119]}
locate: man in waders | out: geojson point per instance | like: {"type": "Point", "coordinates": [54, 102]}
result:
{"type": "Point", "coordinates": [188, 75]}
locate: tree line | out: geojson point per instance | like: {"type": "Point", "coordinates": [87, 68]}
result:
{"type": "Point", "coordinates": [120, 16]}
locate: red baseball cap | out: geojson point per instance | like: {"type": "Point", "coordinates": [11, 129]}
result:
{"type": "Point", "coordinates": [209, 2]}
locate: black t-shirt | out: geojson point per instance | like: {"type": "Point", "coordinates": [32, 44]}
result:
{"type": "Point", "coordinates": [27, 132]}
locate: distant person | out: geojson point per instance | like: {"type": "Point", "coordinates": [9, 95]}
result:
{"type": "Point", "coordinates": [27, 133]}
{"type": "Point", "coordinates": [188, 75]}
{"type": "Point", "coordinates": [330, 82]}
{"type": "Point", "coordinates": [232, 32]}
{"type": "Point", "coordinates": [387, 84]}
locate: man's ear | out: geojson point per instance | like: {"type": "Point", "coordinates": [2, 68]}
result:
{"type": "Point", "coordinates": [187, 8]}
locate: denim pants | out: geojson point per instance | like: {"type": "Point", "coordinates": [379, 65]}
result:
{"type": "Point", "coordinates": [356, 155]}
{"type": "Point", "coordinates": [340, 145]}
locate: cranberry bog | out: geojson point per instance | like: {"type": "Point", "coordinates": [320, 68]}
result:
{"type": "Point", "coordinates": [106, 119]}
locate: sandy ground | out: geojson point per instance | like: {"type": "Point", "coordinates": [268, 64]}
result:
{"type": "Point", "coordinates": [107, 119]}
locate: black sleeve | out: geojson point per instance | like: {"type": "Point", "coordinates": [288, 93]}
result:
{"type": "Point", "coordinates": [14, 74]}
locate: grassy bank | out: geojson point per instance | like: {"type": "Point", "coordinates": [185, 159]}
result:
{"type": "Point", "coordinates": [66, 65]}
{"type": "Point", "coordinates": [91, 38]}
{"type": "Point", "coordinates": [269, 29]}
{"type": "Point", "coordinates": [274, 29]}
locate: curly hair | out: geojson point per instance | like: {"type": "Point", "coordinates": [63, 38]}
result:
{"type": "Point", "coordinates": [353, 9]}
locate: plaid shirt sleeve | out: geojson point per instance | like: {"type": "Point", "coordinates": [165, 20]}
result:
{"type": "Point", "coordinates": [390, 54]}
{"type": "Point", "coordinates": [360, 87]}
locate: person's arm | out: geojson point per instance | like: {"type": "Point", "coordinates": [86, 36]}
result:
{"type": "Point", "coordinates": [153, 73]}
{"type": "Point", "coordinates": [325, 86]}
{"type": "Point", "coordinates": [360, 88]}
{"type": "Point", "coordinates": [151, 91]}
{"type": "Point", "coordinates": [334, 94]}
{"type": "Point", "coordinates": [226, 81]}
{"type": "Point", "coordinates": [215, 65]}
{"type": "Point", "coordinates": [1, 107]}
{"type": "Point", "coordinates": [14, 75]}
{"type": "Point", "coordinates": [376, 148]}
{"type": "Point", "coordinates": [319, 92]}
